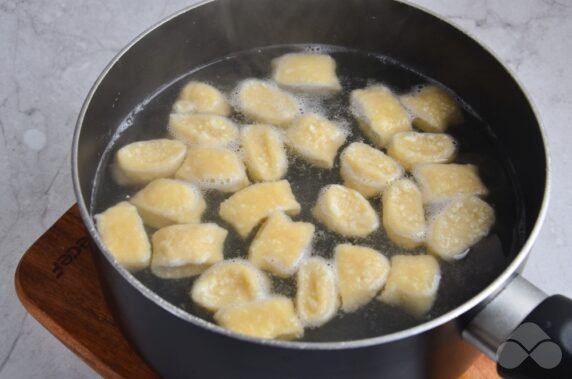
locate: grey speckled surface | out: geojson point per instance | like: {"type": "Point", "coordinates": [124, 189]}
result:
{"type": "Point", "coordinates": [52, 51]}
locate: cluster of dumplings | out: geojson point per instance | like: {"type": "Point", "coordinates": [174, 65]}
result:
{"type": "Point", "coordinates": [409, 170]}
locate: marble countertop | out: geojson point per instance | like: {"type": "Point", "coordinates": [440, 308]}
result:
{"type": "Point", "coordinates": [52, 51]}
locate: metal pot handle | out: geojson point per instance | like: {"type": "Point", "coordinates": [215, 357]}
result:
{"type": "Point", "coordinates": [526, 332]}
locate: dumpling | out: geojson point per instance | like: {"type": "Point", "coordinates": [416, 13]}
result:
{"type": "Point", "coordinates": [361, 273]}
{"type": "Point", "coordinates": [412, 283]}
{"type": "Point", "coordinates": [413, 148]}
{"type": "Point", "coordinates": [264, 102]}
{"type": "Point", "coordinates": [459, 226]}
{"type": "Point", "coordinates": [281, 244]}
{"type": "Point", "coordinates": [123, 234]}
{"type": "Point", "coordinates": [198, 97]}
{"type": "Point", "coordinates": [368, 170]}
{"type": "Point", "coordinates": [271, 318]}
{"type": "Point", "coordinates": [310, 73]}
{"type": "Point", "coordinates": [317, 299]}
{"type": "Point", "coordinates": [433, 108]}
{"type": "Point", "coordinates": [345, 211]}
{"type": "Point", "coordinates": [441, 182]}
{"type": "Point", "coordinates": [181, 251]}
{"type": "Point", "coordinates": [165, 202]}
{"type": "Point", "coordinates": [213, 168]}
{"type": "Point", "coordinates": [144, 161]}
{"type": "Point", "coordinates": [403, 214]}
{"type": "Point", "coordinates": [315, 139]}
{"type": "Point", "coordinates": [245, 209]}
{"type": "Point", "coordinates": [229, 283]}
{"type": "Point", "coordinates": [264, 153]}
{"type": "Point", "coordinates": [379, 114]}
{"type": "Point", "coordinates": [203, 130]}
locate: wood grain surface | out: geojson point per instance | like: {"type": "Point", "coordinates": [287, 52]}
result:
{"type": "Point", "coordinates": [57, 283]}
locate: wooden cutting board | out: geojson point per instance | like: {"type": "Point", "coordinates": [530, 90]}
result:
{"type": "Point", "coordinates": [57, 283]}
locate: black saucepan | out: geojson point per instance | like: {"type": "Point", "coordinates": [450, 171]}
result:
{"type": "Point", "coordinates": [178, 344]}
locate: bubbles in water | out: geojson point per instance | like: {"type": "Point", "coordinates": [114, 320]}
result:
{"type": "Point", "coordinates": [234, 146]}
{"type": "Point", "coordinates": [314, 49]}
{"type": "Point", "coordinates": [233, 96]}
{"type": "Point", "coordinates": [432, 210]}
{"type": "Point", "coordinates": [345, 126]}
{"type": "Point", "coordinates": [331, 265]}
{"type": "Point", "coordinates": [418, 88]}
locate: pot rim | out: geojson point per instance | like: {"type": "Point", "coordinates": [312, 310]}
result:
{"type": "Point", "coordinates": [479, 298]}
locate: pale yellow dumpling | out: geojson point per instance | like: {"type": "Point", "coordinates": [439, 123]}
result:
{"type": "Point", "coordinates": [181, 251]}
{"type": "Point", "coordinates": [213, 168]}
{"type": "Point", "coordinates": [403, 214]}
{"type": "Point", "coordinates": [412, 283]}
{"type": "Point", "coordinates": [379, 114]}
{"type": "Point", "coordinates": [271, 318]}
{"type": "Point", "coordinates": [441, 182]}
{"type": "Point", "coordinates": [367, 170]}
{"type": "Point", "coordinates": [361, 273]}
{"type": "Point", "coordinates": [203, 129]}
{"type": "Point", "coordinates": [264, 153]}
{"type": "Point", "coordinates": [123, 234]}
{"type": "Point", "coordinates": [413, 148]}
{"type": "Point", "coordinates": [198, 97]}
{"type": "Point", "coordinates": [317, 299]}
{"type": "Point", "coordinates": [144, 161]}
{"type": "Point", "coordinates": [264, 102]}
{"type": "Point", "coordinates": [463, 223]}
{"type": "Point", "coordinates": [245, 209]}
{"type": "Point", "coordinates": [165, 202]}
{"type": "Point", "coordinates": [281, 244]}
{"type": "Point", "coordinates": [310, 73]}
{"type": "Point", "coordinates": [345, 211]}
{"type": "Point", "coordinates": [433, 108]}
{"type": "Point", "coordinates": [229, 283]}
{"type": "Point", "coordinates": [315, 139]}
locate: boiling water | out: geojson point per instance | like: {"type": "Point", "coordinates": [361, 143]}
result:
{"type": "Point", "coordinates": [460, 280]}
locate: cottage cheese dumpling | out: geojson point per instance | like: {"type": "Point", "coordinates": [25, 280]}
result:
{"type": "Point", "coordinates": [165, 202]}
{"type": "Point", "coordinates": [229, 283]}
{"type": "Point", "coordinates": [317, 299]}
{"type": "Point", "coordinates": [203, 129]}
{"type": "Point", "coordinates": [379, 114]}
{"type": "Point", "coordinates": [198, 97]}
{"type": "Point", "coordinates": [123, 234]}
{"type": "Point", "coordinates": [459, 226]}
{"type": "Point", "coordinates": [281, 244]}
{"type": "Point", "coordinates": [264, 102]}
{"type": "Point", "coordinates": [315, 139]}
{"type": "Point", "coordinates": [264, 153]}
{"type": "Point", "coordinates": [413, 148]}
{"type": "Point", "coordinates": [310, 73]}
{"type": "Point", "coordinates": [441, 182]}
{"type": "Point", "coordinates": [403, 214]}
{"type": "Point", "coordinates": [345, 211]}
{"type": "Point", "coordinates": [213, 168]}
{"type": "Point", "coordinates": [144, 161]}
{"type": "Point", "coordinates": [245, 209]}
{"type": "Point", "coordinates": [412, 283]}
{"type": "Point", "coordinates": [367, 170]}
{"type": "Point", "coordinates": [181, 251]}
{"type": "Point", "coordinates": [361, 273]}
{"type": "Point", "coordinates": [433, 108]}
{"type": "Point", "coordinates": [271, 318]}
